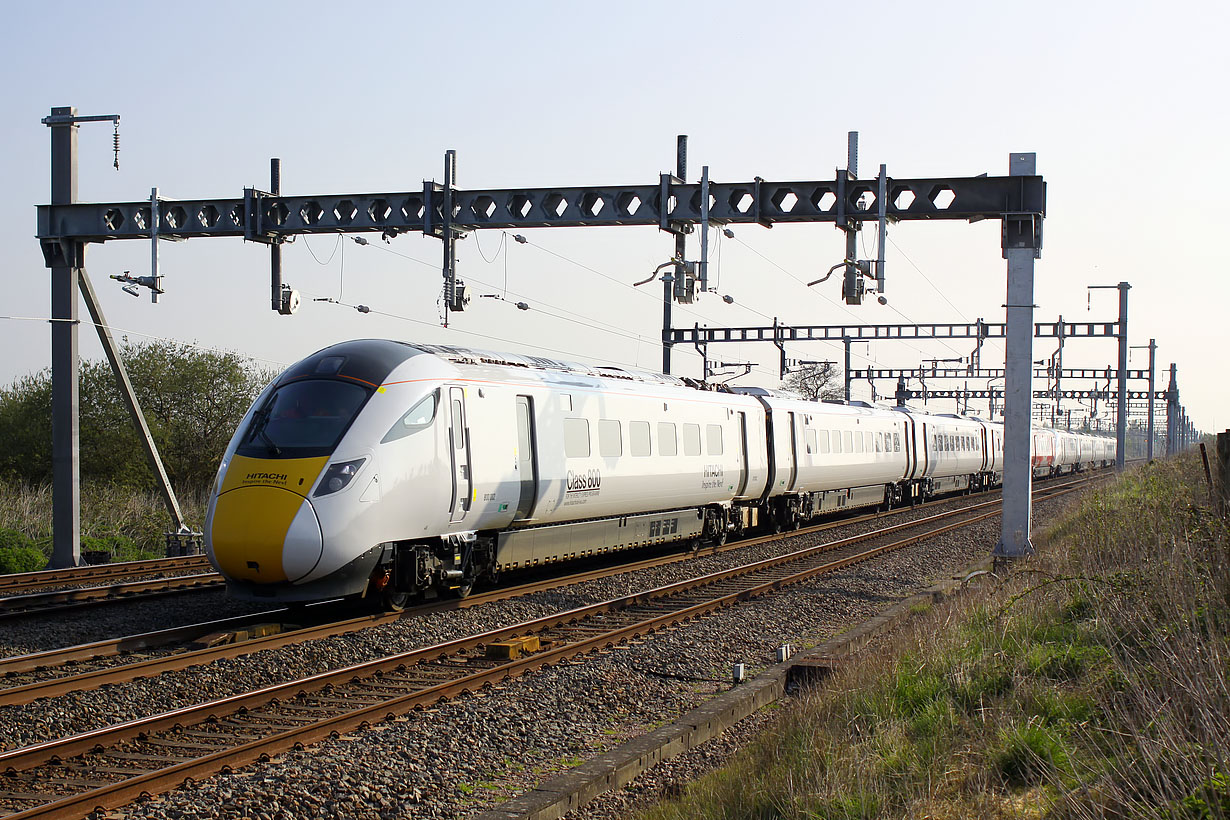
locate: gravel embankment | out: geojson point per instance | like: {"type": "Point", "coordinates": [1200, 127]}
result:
{"type": "Point", "coordinates": [459, 757]}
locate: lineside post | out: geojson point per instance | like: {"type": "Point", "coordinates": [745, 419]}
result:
{"type": "Point", "coordinates": [1152, 354]}
{"type": "Point", "coordinates": [1022, 244]}
{"type": "Point", "coordinates": [1172, 412]}
{"type": "Point", "coordinates": [1223, 470]}
{"type": "Point", "coordinates": [1121, 399]}
{"type": "Point", "coordinates": [66, 258]}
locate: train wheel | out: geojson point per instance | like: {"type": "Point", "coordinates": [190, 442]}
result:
{"type": "Point", "coordinates": [393, 601]}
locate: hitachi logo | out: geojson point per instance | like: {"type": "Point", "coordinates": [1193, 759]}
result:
{"type": "Point", "coordinates": [265, 477]}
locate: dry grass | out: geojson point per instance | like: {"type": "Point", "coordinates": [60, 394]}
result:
{"type": "Point", "coordinates": [1091, 683]}
{"type": "Point", "coordinates": [132, 523]}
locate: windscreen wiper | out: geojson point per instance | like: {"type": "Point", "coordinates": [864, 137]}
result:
{"type": "Point", "coordinates": [259, 421]}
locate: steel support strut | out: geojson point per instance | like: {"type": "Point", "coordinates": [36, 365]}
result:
{"type": "Point", "coordinates": [1022, 243]}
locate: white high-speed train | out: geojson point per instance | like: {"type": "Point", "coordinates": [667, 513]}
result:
{"type": "Point", "coordinates": [387, 470]}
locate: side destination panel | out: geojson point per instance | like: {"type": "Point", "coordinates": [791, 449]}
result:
{"type": "Point", "coordinates": [544, 545]}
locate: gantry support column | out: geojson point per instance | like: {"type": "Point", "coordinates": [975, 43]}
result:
{"type": "Point", "coordinates": [1152, 354]}
{"type": "Point", "coordinates": [1172, 412]}
{"type": "Point", "coordinates": [1022, 244]}
{"type": "Point", "coordinates": [1121, 399]}
{"type": "Point", "coordinates": [66, 259]}
{"type": "Point", "coordinates": [846, 340]}
{"type": "Point", "coordinates": [669, 289]}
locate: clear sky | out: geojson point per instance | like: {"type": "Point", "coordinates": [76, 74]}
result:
{"type": "Point", "coordinates": [1124, 104]}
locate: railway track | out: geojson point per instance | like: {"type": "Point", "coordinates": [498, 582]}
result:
{"type": "Point", "coordinates": [41, 603]}
{"type": "Point", "coordinates": [112, 766]}
{"type": "Point", "coordinates": [23, 582]}
{"type": "Point", "coordinates": [27, 678]}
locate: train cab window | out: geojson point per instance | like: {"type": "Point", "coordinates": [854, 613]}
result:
{"type": "Point", "coordinates": [303, 418]}
{"type": "Point", "coordinates": [668, 444]}
{"type": "Point", "coordinates": [713, 439]}
{"type": "Point", "coordinates": [809, 436]}
{"type": "Point", "coordinates": [638, 438]}
{"type": "Point", "coordinates": [847, 443]}
{"type": "Point", "coordinates": [691, 439]}
{"type": "Point", "coordinates": [610, 439]}
{"type": "Point", "coordinates": [576, 438]}
{"type": "Point", "coordinates": [418, 417]}
{"type": "Point", "coordinates": [824, 441]}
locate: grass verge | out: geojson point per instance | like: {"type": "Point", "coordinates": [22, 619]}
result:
{"type": "Point", "coordinates": [128, 524]}
{"type": "Point", "coordinates": [1089, 683]}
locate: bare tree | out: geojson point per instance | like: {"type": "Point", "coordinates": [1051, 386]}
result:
{"type": "Point", "coordinates": [816, 382]}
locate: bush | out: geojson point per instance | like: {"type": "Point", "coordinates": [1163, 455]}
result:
{"type": "Point", "coordinates": [192, 399]}
{"type": "Point", "coordinates": [119, 547]}
{"type": "Point", "coordinates": [18, 553]}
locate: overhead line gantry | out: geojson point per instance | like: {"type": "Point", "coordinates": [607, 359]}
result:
{"type": "Point", "coordinates": [1017, 201]}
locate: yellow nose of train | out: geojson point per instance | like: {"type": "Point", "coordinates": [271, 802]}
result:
{"type": "Point", "coordinates": [264, 527]}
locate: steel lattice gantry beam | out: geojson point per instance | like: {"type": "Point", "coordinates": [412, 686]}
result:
{"type": "Point", "coordinates": [667, 204]}
{"type": "Point", "coordinates": [988, 373]}
{"type": "Point", "coordinates": [983, 393]}
{"type": "Point", "coordinates": [837, 333]}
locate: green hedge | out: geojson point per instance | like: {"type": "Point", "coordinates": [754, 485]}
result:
{"type": "Point", "coordinates": [18, 553]}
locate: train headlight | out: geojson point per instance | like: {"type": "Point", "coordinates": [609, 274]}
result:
{"type": "Point", "coordinates": [338, 476]}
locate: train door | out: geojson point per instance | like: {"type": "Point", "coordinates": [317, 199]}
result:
{"type": "Point", "coordinates": [792, 478]}
{"type": "Point", "coordinates": [910, 450]}
{"type": "Point", "coordinates": [459, 448]}
{"type": "Point", "coordinates": [926, 453]}
{"type": "Point", "coordinates": [741, 432]}
{"type": "Point", "coordinates": [527, 464]}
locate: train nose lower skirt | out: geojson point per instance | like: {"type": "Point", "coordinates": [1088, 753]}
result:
{"type": "Point", "coordinates": [265, 535]}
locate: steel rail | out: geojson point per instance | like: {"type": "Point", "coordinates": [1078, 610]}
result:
{"type": "Point", "coordinates": [36, 603]}
{"type": "Point", "coordinates": [41, 579]}
{"type": "Point", "coordinates": [116, 794]}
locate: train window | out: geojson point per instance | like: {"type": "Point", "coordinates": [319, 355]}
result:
{"type": "Point", "coordinates": [419, 417]}
{"type": "Point", "coordinates": [576, 438]}
{"type": "Point", "coordinates": [870, 445]}
{"type": "Point", "coordinates": [879, 442]}
{"type": "Point", "coordinates": [691, 439]}
{"type": "Point", "coordinates": [638, 438]}
{"type": "Point", "coordinates": [824, 441]}
{"type": "Point", "coordinates": [713, 436]}
{"type": "Point", "coordinates": [836, 441]}
{"type": "Point", "coordinates": [668, 445]}
{"type": "Point", "coordinates": [858, 442]}
{"type": "Point", "coordinates": [897, 442]}
{"type": "Point", "coordinates": [809, 435]}
{"type": "Point", "coordinates": [459, 440]}
{"type": "Point", "coordinates": [847, 444]}
{"type": "Point", "coordinates": [610, 440]}
{"type": "Point", "coordinates": [302, 418]}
